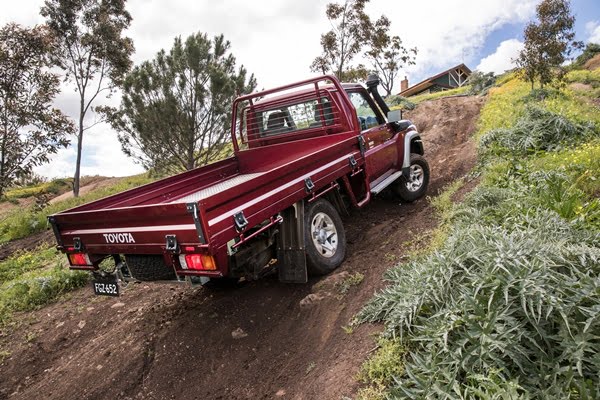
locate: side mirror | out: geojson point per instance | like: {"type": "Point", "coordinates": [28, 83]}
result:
{"type": "Point", "coordinates": [394, 116]}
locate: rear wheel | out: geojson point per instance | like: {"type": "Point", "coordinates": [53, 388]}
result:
{"type": "Point", "coordinates": [149, 268]}
{"type": "Point", "coordinates": [415, 185]}
{"type": "Point", "coordinates": [325, 238]}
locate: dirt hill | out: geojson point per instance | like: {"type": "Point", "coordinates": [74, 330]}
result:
{"type": "Point", "coordinates": [260, 341]}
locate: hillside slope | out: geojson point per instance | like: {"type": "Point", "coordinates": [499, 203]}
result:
{"type": "Point", "coordinates": [263, 340]}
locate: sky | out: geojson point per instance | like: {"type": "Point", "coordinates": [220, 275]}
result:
{"type": "Point", "coordinates": [278, 39]}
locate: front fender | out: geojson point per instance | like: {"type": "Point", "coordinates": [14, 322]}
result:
{"type": "Point", "coordinates": [410, 136]}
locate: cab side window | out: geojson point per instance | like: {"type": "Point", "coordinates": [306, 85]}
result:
{"type": "Point", "coordinates": [367, 117]}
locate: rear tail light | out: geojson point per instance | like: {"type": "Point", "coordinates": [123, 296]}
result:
{"type": "Point", "coordinates": [80, 259]}
{"type": "Point", "coordinates": [197, 262]}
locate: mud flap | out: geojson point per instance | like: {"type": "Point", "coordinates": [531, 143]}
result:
{"type": "Point", "coordinates": [291, 256]}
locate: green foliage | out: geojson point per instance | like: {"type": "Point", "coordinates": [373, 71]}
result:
{"type": "Point", "coordinates": [399, 102]}
{"type": "Point", "coordinates": [548, 42]}
{"type": "Point", "coordinates": [508, 307]}
{"type": "Point", "coordinates": [55, 186]}
{"type": "Point", "coordinates": [581, 165]}
{"type": "Point", "coordinates": [385, 364]}
{"type": "Point", "coordinates": [387, 54]}
{"type": "Point", "coordinates": [27, 281]}
{"type": "Point", "coordinates": [504, 105]}
{"type": "Point", "coordinates": [175, 112]}
{"type": "Point", "coordinates": [463, 90]}
{"type": "Point", "coordinates": [92, 51]}
{"type": "Point", "coordinates": [536, 130]}
{"type": "Point", "coordinates": [350, 30]}
{"type": "Point", "coordinates": [480, 83]}
{"type": "Point", "coordinates": [443, 202]}
{"type": "Point", "coordinates": [584, 76]}
{"type": "Point", "coordinates": [24, 222]}
{"type": "Point", "coordinates": [23, 262]}
{"type": "Point", "coordinates": [590, 51]}
{"type": "Point", "coordinates": [354, 279]}
{"type": "Point", "coordinates": [31, 129]}
{"type": "Point", "coordinates": [513, 295]}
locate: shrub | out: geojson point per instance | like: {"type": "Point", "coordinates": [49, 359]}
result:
{"type": "Point", "coordinates": [37, 288]}
{"type": "Point", "coordinates": [25, 261]}
{"type": "Point", "coordinates": [459, 91]}
{"type": "Point", "coordinates": [590, 51]}
{"type": "Point", "coordinates": [536, 130]}
{"type": "Point", "coordinates": [480, 82]}
{"type": "Point", "coordinates": [400, 102]}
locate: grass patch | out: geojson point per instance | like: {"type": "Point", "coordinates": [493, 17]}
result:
{"type": "Point", "coordinates": [4, 354]}
{"type": "Point", "coordinates": [584, 76]}
{"type": "Point", "coordinates": [504, 105]}
{"type": "Point", "coordinates": [55, 186]}
{"type": "Point", "coordinates": [438, 95]}
{"type": "Point", "coordinates": [23, 262]}
{"type": "Point", "coordinates": [442, 203]}
{"type": "Point", "coordinates": [354, 279]}
{"type": "Point", "coordinates": [21, 223]}
{"type": "Point", "coordinates": [32, 280]}
{"type": "Point", "coordinates": [385, 364]}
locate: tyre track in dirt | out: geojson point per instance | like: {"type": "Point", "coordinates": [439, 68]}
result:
{"type": "Point", "coordinates": [175, 342]}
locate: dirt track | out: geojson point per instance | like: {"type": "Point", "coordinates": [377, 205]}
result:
{"type": "Point", "coordinates": [162, 342]}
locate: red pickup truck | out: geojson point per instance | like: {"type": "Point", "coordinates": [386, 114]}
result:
{"type": "Point", "coordinates": [303, 154]}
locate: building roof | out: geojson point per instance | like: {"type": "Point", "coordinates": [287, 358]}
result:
{"type": "Point", "coordinates": [427, 83]}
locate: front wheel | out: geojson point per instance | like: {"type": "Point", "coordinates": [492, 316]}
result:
{"type": "Point", "coordinates": [324, 237]}
{"type": "Point", "coordinates": [414, 186]}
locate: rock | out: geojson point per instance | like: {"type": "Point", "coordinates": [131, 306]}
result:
{"type": "Point", "coordinates": [238, 334]}
{"type": "Point", "coordinates": [331, 281]}
{"type": "Point", "coordinates": [311, 299]}
{"type": "Point", "coordinates": [118, 305]}
{"type": "Point", "coordinates": [280, 393]}
{"type": "Point", "coordinates": [81, 324]}
{"type": "Point", "coordinates": [61, 323]}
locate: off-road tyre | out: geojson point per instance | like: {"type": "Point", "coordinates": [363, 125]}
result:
{"type": "Point", "coordinates": [149, 268]}
{"type": "Point", "coordinates": [407, 188]}
{"type": "Point", "coordinates": [318, 262]}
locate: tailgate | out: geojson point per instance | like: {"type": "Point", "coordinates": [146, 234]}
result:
{"type": "Point", "coordinates": [130, 230]}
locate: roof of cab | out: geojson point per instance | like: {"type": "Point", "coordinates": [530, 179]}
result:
{"type": "Point", "coordinates": [276, 99]}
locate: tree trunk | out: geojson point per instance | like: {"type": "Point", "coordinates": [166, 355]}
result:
{"type": "Point", "coordinates": [79, 146]}
{"type": "Point", "coordinates": [3, 180]}
{"type": "Point", "coordinates": [190, 154]}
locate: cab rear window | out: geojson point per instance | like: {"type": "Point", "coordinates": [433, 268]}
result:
{"type": "Point", "coordinates": [295, 117]}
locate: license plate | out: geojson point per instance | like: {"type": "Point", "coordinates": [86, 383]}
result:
{"type": "Point", "coordinates": [106, 286]}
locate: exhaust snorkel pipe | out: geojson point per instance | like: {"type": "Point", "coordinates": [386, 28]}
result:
{"type": "Point", "coordinates": [372, 83]}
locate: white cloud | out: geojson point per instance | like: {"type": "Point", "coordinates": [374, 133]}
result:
{"type": "Point", "coordinates": [277, 41]}
{"type": "Point", "coordinates": [593, 29]}
{"type": "Point", "coordinates": [501, 60]}
{"type": "Point", "coordinates": [450, 32]}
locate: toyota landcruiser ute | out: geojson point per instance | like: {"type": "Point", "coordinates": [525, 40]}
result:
{"type": "Point", "coordinates": [304, 153]}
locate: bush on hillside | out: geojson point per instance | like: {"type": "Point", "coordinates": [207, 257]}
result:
{"type": "Point", "coordinates": [536, 130]}
{"type": "Point", "coordinates": [590, 51]}
{"type": "Point", "coordinates": [400, 102]}
{"type": "Point", "coordinates": [481, 82]}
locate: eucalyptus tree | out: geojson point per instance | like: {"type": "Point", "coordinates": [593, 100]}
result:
{"type": "Point", "coordinates": [548, 42]}
{"type": "Point", "coordinates": [30, 127]}
{"type": "Point", "coordinates": [92, 51]}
